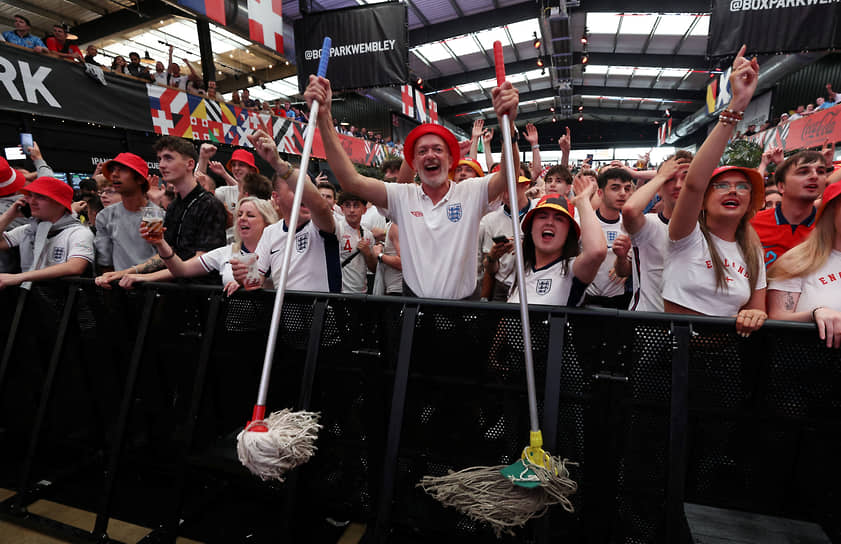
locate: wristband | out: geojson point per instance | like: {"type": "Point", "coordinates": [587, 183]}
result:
{"type": "Point", "coordinates": [814, 311]}
{"type": "Point", "coordinates": [288, 173]}
{"type": "Point", "coordinates": [171, 255]}
{"type": "Point", "coordinates": [535, 147]}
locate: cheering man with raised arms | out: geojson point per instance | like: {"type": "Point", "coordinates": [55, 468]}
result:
{"type": "Point", "coordinates": [438, 220]}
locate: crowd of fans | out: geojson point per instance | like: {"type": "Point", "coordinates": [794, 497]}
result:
{"type": "Point", "coordinates": [821, 103]}
{"type": "Point", "coordinates": [685, 237]}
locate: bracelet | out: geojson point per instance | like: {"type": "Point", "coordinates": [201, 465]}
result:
{"type": "Point", "coordinates": [730, 117]}
{"type": "Point", "coordinates": [135, 270]}
{"type": "Point", "coordinates": [288, 173]}
{"type": "Point", "coordinates": [171, 255]}
{"type": "Point", "coordinates": [814, 311]}
{"type": "Point", "coordinates": [535, 147]}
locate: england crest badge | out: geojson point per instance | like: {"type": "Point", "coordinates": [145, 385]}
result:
{"type": "Point", "coordinates": [58, 254]}
{"type": "Point", "coordinates": [454, 212]}
{"type": "Point", "coordinates": [544, 286]}
{"type": "Point", "coordinates": [301, 242]}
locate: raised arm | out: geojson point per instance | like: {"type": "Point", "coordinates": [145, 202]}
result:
{"type": "Point", "coordinates": [475, 136]}
{"type": "Point", "coordinates": [593, 242]}
{"type": "Point", "coordinates": [206, 152]}
{"type": "Point", "coordinates": [533, 139]}
{"type": "Point", "coordinates": [743, 83]}
{"type": "Point", "coordinates": [633, 218]}
{"type": "Point", "coordinates": [565, 143]}
{"type": "Point", "coordinates": [506, 98]}
{"type": "Point", "coordinates": [372, 190]}
{"type": "Point", "coordinates": [487, 136]}
{"type": "Point", "coordinates": [320, 209]}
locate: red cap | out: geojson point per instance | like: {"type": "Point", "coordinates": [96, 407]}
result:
{"type": "Point", "coordinates": [552, 201]}
{"type": "Point", "coordinates": [832, 190]}
{"type": "Point", "coordinates": [242, 155]}
{"type": "Point", "coordinates": [755, 179]}
{"type": "Point", "coordinates": [472, 163]}
{"type": "Point", "coordinates": [11, 180]}
{"type": "Point", "coordinates": [129, 160]}
{"type": "Point", "coordinates": [438, 130]}
{"type": "Point", "coordinates": [52, 188]}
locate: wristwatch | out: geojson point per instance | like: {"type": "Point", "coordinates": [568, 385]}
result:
{"type": "Point", "coordinates": [380, 257]}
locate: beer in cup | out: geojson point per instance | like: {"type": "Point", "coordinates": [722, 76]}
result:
{"type": "Point", "coordinates": [153, 220]}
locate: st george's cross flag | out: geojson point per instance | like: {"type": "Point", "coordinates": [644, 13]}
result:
{"type": "Point", "coordinates": [265, 23]}
{"type": "Point", "coordinates": [408, 102]}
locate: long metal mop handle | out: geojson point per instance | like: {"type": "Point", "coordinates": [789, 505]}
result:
{"type": "Point", "coordinates": [290, 237]}
{"type": "Point", "coordinates": [508, 153]}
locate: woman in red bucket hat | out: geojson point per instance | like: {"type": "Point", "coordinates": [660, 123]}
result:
{"type": "Point", "coordinates": [714, 263]}
{"type": "Point", "coordinates": [54, 244]}
{"type": "Point", "coordinates": [804, 283]}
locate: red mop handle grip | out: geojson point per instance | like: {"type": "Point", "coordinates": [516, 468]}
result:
{"type": "Point", "coordinates": [499, 63]}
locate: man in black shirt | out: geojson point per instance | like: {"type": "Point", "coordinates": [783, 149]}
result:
{"type": "Point", "coordinates": [194, 222]}
{"type": "Point", "coordinates": [136, 69]}
{"type": "Point", "coordinates": [90, 53]}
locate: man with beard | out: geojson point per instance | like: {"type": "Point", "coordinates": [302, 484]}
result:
{"type": "Point", "coordinates": [438, 220]}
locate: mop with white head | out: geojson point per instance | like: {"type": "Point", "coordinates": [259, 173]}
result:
{"type": "Point", "coordinates": [287, 442]}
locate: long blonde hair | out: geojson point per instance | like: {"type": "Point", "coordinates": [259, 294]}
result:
{"type": "Point", "coordinates": [264, 208]}
{"type": "Point", "coordinates": [813, 252]}
{"type": "Point", "coordinates": [746, 239]}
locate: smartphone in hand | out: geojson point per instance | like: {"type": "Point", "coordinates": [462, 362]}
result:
{"type": "Point", "coordinates": [499, 239]}
{"type": "Point", "coordinates": [25, 142]}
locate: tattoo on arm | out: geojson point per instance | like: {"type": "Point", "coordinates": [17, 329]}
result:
{"type": "Point", "coordinates": [152, 265]}
{"type": "Point", "coordinates": [789, 302]}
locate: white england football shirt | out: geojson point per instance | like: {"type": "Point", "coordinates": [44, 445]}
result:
{"type": "Point", "coordinates": [649, 245]}
{"type": "Point", "coordinates": [314, 265]}
{"type": "Point", "coordinates": [821, 288]}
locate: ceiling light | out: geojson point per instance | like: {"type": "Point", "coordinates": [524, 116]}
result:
{"type": "Point", "coordinates": [552, 108]}
{"type": "Point", "coordinates": [580, 118]}
{"type": "Point", "coordinates": [585, 59]}
{"type": "Point", "coordinates": [253, 69]}
{"type": "Point", "coordinates": [581, 108]}
{"type": "Point", "coordinates": [668, 112]}
{"type": "Point", "coordinates": [147, 59]}
{"type": "Point", "coordinates": [584, 38]}
{"type": "Point", "coordinates": [247, 51]}
{"type": "Point", "coordinates": [540, 61]}
{"type": "Point", "coordinates": [420, 82]}
{"type": "Point", "coordinates": [537, 41]}
{"type": "Point", "coordinates": [219, 72]}
{"type": "Point", "coordinates": [287, 63]}
{"type": "Point", "coordinates": [554, 119]}
{"type": "Point", "coordinates": [270, 66]}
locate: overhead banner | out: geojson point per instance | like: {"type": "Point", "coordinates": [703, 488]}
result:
{"type": "Point", "coordinates": [370, 46]}
{"type": "Point", "coordinates": [45, 85]}
{"type": "Point", "coordinates": [809, 131]}
{"type": "Point", "coordinates": [773, 26]}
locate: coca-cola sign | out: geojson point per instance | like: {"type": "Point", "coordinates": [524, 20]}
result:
{"type": "Point", "coordinates": [809, 131]}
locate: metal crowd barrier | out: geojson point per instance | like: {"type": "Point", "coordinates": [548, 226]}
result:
{"type": "Point", "coordinates": [127, 404]}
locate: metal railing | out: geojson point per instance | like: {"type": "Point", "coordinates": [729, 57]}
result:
{"type": "Point", "coordinates": [127, 404]}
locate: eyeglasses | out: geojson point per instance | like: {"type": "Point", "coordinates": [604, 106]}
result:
{"type": "Point", "coordinates": [725, 187]}
{"type": "Point", "coordinates": [107, 192]}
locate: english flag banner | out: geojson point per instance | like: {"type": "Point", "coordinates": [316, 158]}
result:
{"type": "Point", "coordinates": [408, 101]}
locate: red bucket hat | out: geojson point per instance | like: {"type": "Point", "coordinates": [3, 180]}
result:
{"type": "Point", "coordinates": [472, 163]}
{"type": "Point", "coordinates": [52, 188]}
{"type": "Point", "coordinates": [552, 201]}
{"type": "Point", "coordinates": [830, 193]}
{"type": "Point", "coordinates": [755, 179]}
{"type": "Point", "coordinates": [129, 160]}
{"type": "Point", "coordinates": [11, 180]}
{"type": "Point", "coordinates": [438, 130]}
{"type": "Point", "coordinates": [242, 155]}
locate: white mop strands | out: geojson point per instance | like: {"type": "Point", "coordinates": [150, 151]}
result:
{"type": "Point", "coordinates": [288, 442]}
{"type": "Point", "coordinates": [485, 495]}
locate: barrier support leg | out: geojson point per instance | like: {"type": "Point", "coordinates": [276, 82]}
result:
{"type": "Point", "coordinates": [21, 499]}
{"type": "Point", "coordinates": [113, 460]}
{"type": "Point", "coordinates": [677, 529]}
{"type": "Point", "coordinates": [13, 332]}
{"type": "Point", "coordinates": [395, 421]}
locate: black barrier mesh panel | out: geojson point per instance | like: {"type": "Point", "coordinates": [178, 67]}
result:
{"type": "Point", "coordinates": [466, 406]}
{"type": "Point", "coordinates": [764, 429]}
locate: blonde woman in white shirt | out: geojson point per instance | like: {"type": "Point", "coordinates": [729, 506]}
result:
{"type": "Point", "coordinates": [804, 283]}
{"type": "Point", "coordinates": [714, 262]}
{"type": "Point", "coordinates": [252, 214]}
